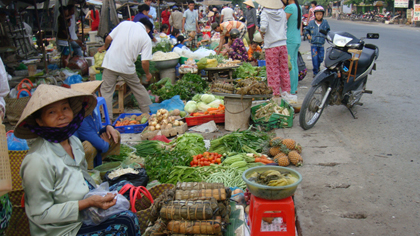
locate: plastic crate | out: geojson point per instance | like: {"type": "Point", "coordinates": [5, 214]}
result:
{"type": "Point", "coordinates": [276, 120]}
{"type": "Point", "coordinates": [261, 62]}
{"type": "Point", "coordinates": [129, 129]}
{"type": "Point", "coordinates": [198, 120]}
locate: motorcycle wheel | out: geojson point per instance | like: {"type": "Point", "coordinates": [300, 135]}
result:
{"type": "Point", "coordinates": [309, 113]}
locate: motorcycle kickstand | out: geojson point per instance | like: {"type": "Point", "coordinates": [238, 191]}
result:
{"type": "Point", "coordinates": [353, 113]}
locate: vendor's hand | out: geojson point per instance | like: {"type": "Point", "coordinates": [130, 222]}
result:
{"type": "Point", "coordinates": [101, 49]}
{"type": "Point", "coordinates": [183, 31]}
{"type": "Point", "coordinates": [105, 137]}
{"type": "Point", "coordinates": [112, 133]}
{"type": "Point", "coordinates": [309, 37]}
{"type": "Point", "coordinates": [148, 77]}
{"type": "Point", "coordinates": [103, 202]}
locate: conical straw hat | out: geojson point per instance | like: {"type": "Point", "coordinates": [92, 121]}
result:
{"type": "Point", "coordinates": [249, 3]}
{"type": "Point", "coordinates": [45, 95]}
{"type": "Point", "coordinates": [87, 87]}
{"type": "Point", "coordinates": [272, 4]}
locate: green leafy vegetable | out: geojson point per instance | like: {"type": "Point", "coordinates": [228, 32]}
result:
{"type": "Point", "coordinates": [235, 141]}
{"type": "Point", "coordinates": [124, 153]}
{"type": "Point", "coordinates": [246, 70]}
{"type": "Point", "coordinates": [190, 143]}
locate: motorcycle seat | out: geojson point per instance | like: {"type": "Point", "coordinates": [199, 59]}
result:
{"type": "Point", "coordinates": [368, 55]}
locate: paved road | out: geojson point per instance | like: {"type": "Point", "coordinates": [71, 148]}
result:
{"type": "Point", "coordinates": [361, 177]}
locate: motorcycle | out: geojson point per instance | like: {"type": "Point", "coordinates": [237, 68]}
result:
{"type": "Point", "coordinates": [334, 85]}
{"type": "Point", "coordinates": [304, 25]}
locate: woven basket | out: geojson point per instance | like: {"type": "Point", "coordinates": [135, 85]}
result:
{"type": "Point", "coordinates": [16, 158]}
{"type": "Point", "coordinates": [143, 205]}
{"type": "Point", "coordinates": [19, 223]}
{"type": "Point", "coordinates": [5, 173]}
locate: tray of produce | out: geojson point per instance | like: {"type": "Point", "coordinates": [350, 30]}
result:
{"type": "Point", "coordinates": [131, 122]}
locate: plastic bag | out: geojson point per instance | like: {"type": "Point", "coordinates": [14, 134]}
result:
{"type": "Point", "coordinates": [239, 198]}
{"type": "Point", "coordinates": [99, 58]}
{"type": "Point", "coordinates": [96, 176]}
{"type": "Point", "coordinates": [170, 104]}
{"type": "Point", "coordinates": [74, 79]}
{"type": "Point", "coordinates": [161, 138]}
{"type": "Point", "coordinates": [139, 179]}
{"type": "Point", "coordinates": [94, 215]}
{"type": "Point", "coordinates": [15, 144]}
{"type": "Point", "coordinates": [203, 52]}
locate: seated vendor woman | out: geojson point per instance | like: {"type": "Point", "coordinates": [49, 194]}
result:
{"type": "Point", "coordinates": [237, 50]}
{"type": "Point", "coordinates": [54, 172]}
{"type": "Point", "coordinates": [98, 142]}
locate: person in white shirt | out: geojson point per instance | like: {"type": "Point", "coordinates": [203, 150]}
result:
{"type": "Point", "coordinates": [129, 39]}
{"type": "Point", "coordinates": [227, 14]}
{"type": "Point", "coordinates": [152, 13]}
{"type": "Point", "coordinates": [4, 89]}
{"type": "Point", "coordinates": [190, 22]}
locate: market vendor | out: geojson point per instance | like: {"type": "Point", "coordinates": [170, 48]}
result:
{"type": "Point", "coordinates": [237, 50]}
{"type": "Point", "coordinates": [54, 174]}
{"type": "Point", "coordinates": [98, 142]}
{"type": "Point", "coordinates": [129, 39]}
{"type": "Point", "coordinates": [225, 28]}
{"type": "Point", "coordinates": [63, 46]}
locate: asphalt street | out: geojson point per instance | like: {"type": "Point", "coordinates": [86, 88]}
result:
{"type": "Point", "coordinates": [361, 176]}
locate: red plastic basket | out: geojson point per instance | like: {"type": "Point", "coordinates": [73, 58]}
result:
{"type": "Point", "coordinates": [192, 121]}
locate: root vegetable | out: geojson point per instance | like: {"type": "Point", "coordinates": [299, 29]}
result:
{"type": "Point", "coordinates": [152, 128]}
{"type": "Point", "coordinates": [158, 127]}
{"type": "Point", "coordinates": [168, 126]}
{"type": "Point", "coordinates": [176, 123]}
{"type": "Point", "coordinates": [181, 122]}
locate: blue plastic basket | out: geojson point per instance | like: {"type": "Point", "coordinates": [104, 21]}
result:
{"type": "Point", "coordinates": [130, 128]}
{"type": "Point", "coordinates": [261, 62]}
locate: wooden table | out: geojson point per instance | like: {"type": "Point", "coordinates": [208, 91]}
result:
{"type": "Point", "coordinates": [118, 106]}
{"type": "Point", "coordinates": [214, 72]}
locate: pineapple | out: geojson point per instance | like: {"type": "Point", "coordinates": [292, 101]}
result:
{"type": "Point", "coordinates": [295, 158]}
{"type": "Point", "coordinates": [284, 149]}
{"type": "Point", "coordinates": [283, 160]}
{"type": "Point", "coordinates": [274, 151]}
{"type": "Point", "coordinates": [289, 143]}
{"type": "Point", "coordinates": [298, 148]}
{"type": "Point", "coordinates": [276, 141]}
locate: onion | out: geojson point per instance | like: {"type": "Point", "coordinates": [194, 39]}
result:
{"type": "Point", "coordinates": [181, 123]}
{"type": "Point", "coordinates": [176, 123]}
{"type": "Point", "coordinates": [152, 128]}
{"type": "Point", "coordinates": [168, 126]}
{"type": "Point", "coordinates": [153, 123]}
{"type": "Point", "coordinates": [158, 127]}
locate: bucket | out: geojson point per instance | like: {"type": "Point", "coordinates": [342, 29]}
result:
{"type": "Point", "coordinates": [32, 70]}
{"type": "Point", "coordinates": [168, 73]}
{"type": "Point", "coordinates": [237, 113]}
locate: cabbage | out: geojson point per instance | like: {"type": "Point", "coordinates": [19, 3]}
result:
{"type": "Point", "coordinates": [190, 107]}
{"type": "Point", "coordinates": [207, 98]}
{"type": "Point", "coordinates": [201, 106]}
{"type": "Point", "coordinates": [215, 103]}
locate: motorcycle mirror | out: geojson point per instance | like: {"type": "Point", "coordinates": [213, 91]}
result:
{"type": "Point", "coordinates": [372, 36]}
{"type": "Point", "coordinates": [323, 32]}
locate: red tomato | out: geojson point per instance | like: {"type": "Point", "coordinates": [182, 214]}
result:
{"type": "Point", "coordinates": [218, 160]}
{"type": "Point", "coordinates": [191, 163]}
{"type": "Point", "coordinates": [219, 155]}
{"type": "Point", "coordinates": [211, 158]}
{"type": "Point", "coordinates": [194, 166]}
{"type": "Point", "coordinates": [195, 162]}
{"type": "Point", "coordinates": [199, 156]}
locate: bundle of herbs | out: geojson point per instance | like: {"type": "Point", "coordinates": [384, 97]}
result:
{"type": "Point", "coordinates": [235, 141]}
{"type": "Point", "coordinates": [247, 70]}
{"type": "Point", "coordinates": [186, 88]}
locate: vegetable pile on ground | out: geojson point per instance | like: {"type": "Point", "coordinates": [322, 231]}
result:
{"type": "Point", "coordinates": [164, 120]}
{"type": "Point", "coordinates": [286, 151]}
{"type": "Point", "coordinates": [235, 141]}
{"type": "Point", "coordinates": [206, 159]}
{"type": "Point", "coordinates": [133, 120]}
{"type": "Point", "coordinates": [160, 158]}
{"type": "Point", "coordinates": [205, 103]}
{"type": "Point", "coordinates": [187, 87]}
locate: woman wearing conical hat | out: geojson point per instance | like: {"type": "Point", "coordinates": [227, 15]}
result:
{"type": "Point", "coordinates": [54, 172]}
